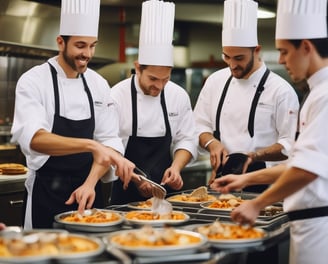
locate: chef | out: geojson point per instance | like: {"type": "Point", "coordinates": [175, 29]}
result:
{"type": "Point", "coordinates": [245, 107]}
{"type": "Point", "coordinates": [302, 40]}
{"type": "Point", "coordinates": [66, 124]}
{"type": "Point", "coordinates": [156, 120]}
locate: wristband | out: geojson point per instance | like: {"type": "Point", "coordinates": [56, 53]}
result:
{"type": "Point", "coordinates": [208, 142]}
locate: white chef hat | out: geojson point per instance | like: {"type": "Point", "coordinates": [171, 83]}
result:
{"type": "Point", "coordinates": [79, 18]}
{"type": "Point", "coordinates": [156, 33]}
{"type": "Point", "coordinates": [301, 19]}
{"type": "Point", "coordinates": [239, 28]}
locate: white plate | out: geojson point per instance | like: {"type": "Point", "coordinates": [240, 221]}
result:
{"type": "Point", "coordinates": [171, 200]}
{"type": "Point", "coordinates": [152, 251]}
{"type": "Point", "coordinates": [159, 222]}
{"type": "Point", "coordinates": [90, 227]}
{"type": "Point", "coordinates": [206, 204]}
{"type": "Point", "coordinates": [232, 243]}
{"type": "Point", "coordinates": [63, 258]}
{"type": "Point", "coordinates": [134, 205]}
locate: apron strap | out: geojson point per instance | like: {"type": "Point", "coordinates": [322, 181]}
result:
{"type": "Point", "coordinates": [251, 117]}
{"type": "Point", "coordinates": [217, 133]}
{"type": "Point", "coordinates": [87, 90]}
{"type": "Point", "coordinates": [166, 118]}
{"type": "Point", "coordinates": [256, 98]}
{"type": "Point", "coordinates": [298, 115]}
{"type": "Point", "coordinates": [56, 92]}
{"type": "Point", "coordinates": [55, 85]}
{"type": "Point", "coordinates": [308, 213]}
{"type": "Point", "coordinates": [134, 110]}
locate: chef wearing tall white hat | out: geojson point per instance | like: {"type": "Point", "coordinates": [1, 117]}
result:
{"type": "Point", "coordinates": [245, 107]}
{"type": "Point", "coordinates": [302, 40]}
{"type": "Point", "coordinates": [66, 124]}
{"type": "Point", "coordinates": [156, 121]}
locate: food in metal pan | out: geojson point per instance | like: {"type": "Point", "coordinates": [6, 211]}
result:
{"type": "Point", "coordinates": [229, 231]}
{"type": "Point", "coordinates": [148, 215]}
{"type": "Point", "coordinates": [45, 244]}
{"type": "Point", "coordinates": [151, 237]}
{"type": "Point", "coordinates": [92, 216]}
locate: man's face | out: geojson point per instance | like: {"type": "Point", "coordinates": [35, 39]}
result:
{"type": "Point", "coordinates": [153, 79]}
{"type": "Point", "coordinates": [78, 51]}
{"type": "Point", "coordinates": [240, 61]}
{"type": "Point", "coordinates": [294, 59]}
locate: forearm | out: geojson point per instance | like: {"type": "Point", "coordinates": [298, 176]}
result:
{"type": "Point", "coordinates": [55, 145]}
{"type": "Point", "coordinates": [97, 171]}
{"type": "Point", "coordinates": [205, 139]}
{"type": "Point", "coordinates": [181, 158]}
{"type": "Point", "coordinates": [264, 176]}
{"type": "Point", "coordinates": [270, 153]}
{"type": "Point", "coordinates": [289, 182]}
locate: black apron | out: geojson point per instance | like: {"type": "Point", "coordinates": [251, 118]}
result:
{"type": "Point", "coordinates": [258, 164]}
{"type": "Point", "coordinates": [150, 154]}
{"type": "Point", "coordinates": [61, 175]}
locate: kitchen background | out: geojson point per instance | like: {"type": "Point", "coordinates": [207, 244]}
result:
{"type": "Point", "coordinates": [28, 29]}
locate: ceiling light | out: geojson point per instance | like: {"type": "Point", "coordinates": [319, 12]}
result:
{"type": "Point", "coordinates": [264, 13]}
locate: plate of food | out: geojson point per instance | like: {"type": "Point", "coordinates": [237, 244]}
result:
{"type": "Point", "coordinates": [148, 241]}
{"type": "Point", "coordinates": [224, 202]}
{"type": "Point", "coordinates": [39, 246]}
{"type": "Point", "coordinates": [227, 235]}
{"type": "Point", "coordinates": [139, 217]}
{"type": "Point", "coordinates": [141, 205]}
{"type": "Point", "coordinates": [93, 220]}
{"type": "Point", "coordinates": [197, 196]}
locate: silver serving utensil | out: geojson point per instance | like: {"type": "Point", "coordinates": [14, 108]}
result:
{"type": "Point", "coordinates": [161, 206]}
{"type": "Point", "coordinates": [158, 190]}
{"type": "Point", "coordinates": [119, 254]}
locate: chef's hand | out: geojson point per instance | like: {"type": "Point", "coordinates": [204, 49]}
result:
{"type": "Point", "coordinates": [145, 189]}
{"type": "Point", "coordinates": [218, 155]}
{"type": "Point", "coordinates": [246, 213]}
{"type": "Point", "coordinates": [84, 196]}
{"type": "Point", "coordinates": [107, 156]}
{"type": "Point", "coordinates": [172, 178]}
{"type": "Point", "coordinates": [2, 226]}
{"type": "Point", "coordinates": [228, 183]}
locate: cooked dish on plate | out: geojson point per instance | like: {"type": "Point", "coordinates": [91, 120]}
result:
{"type": "Point", "coordinates": [93, 220]}
{"type": "Point", "coordinates": [91, 216]}
{"type": "Point", "coordinates": [224, 202]}
{"type": "Point", "coordinates": [155, 219]}
{"type": "Point", "coordinates": [219, 231]}
{"type": "Point", "coordinates": [47, 244]}
{"type": "Point", "coordinates": [145, 205]}
{"type": "Point", "coordinates": [197, 196]}
{"type": "Point", "coordinates": [151, 237]}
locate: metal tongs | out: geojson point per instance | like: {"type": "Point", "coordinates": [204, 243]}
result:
{"type": "Point", "coordinates": [158, 190]}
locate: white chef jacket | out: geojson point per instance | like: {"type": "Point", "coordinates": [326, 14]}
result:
{"type": "Point", "coordinates": [275, 116]}
{"type": "Point", "coordinates": [309, 238]}
{"type": "Point", "coordinates": [35, 107]}
{"type": "Point", "coordinates": [150, 115]}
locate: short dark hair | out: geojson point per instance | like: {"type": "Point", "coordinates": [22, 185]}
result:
{"type": "Point", "coordinates": [65, 38]}
{"type": "Point", "coordinates": [320, 44]}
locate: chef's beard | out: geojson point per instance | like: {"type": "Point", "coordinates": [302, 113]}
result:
{"type": "Point", "coordinates": [244, 71]}
{"type": "Point", "coordinates": [70, 60]}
